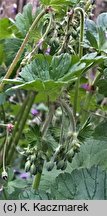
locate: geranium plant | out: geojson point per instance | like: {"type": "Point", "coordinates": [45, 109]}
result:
{"type": "Point", "coordinates": [53, 139]}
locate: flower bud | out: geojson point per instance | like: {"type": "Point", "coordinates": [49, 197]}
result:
{"type": "Point", "coordinates": [27, 166]}
{"type": "Point", "coordinates": [70, 155]}
{"type": "Point", "coordinates": [10, 127]}
{"type": "Point", "coordinates": [4, 175]}
{"type": "Point", "coordinates": [33, 158]}
{"type": "Point", "coordinates": [33, 169]}
{"type": "Point", "coordinates": [50, 165]}
{"type": "Point", "coordinates": [64, 166]}
{"type": "Point", "coordinates": [60, 164]}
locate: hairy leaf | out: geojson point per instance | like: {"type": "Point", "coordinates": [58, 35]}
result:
{"type": "Point", "coordinates": [92, 152]}
{"type": "Point", "coordinates": [102, 86]}
{"type": "Point", "coordinates": [31, 195]}
{"type": "Point", "coordinates": [5, 28]}
{"type": "Point", "coordinates": [24, 20]}
{"type": "Point", "coordinates": [96, 32]}
{"type": "Point", "coordinates": [84, 184]}
{"type": "Point", "coordinates": [11, 47]}
{"type": "Point", "coordinates": [60, 66]}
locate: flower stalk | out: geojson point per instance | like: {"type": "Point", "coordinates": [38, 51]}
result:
{"type": "Point", "coordinates": [20, 51]}
{"type": "Point", "coordinates": [37, 177]}
{"type": "Point", "coordinates": [82, 18]}
{"type": "Point", "coordinates": [20, 127]}
{"type": "Point", "coordinates": [41, 40]}
{"type": "Point", "coordinates": [70, 114]}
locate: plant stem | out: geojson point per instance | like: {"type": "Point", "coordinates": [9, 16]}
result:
{"type": "Point", "coordinates": [89, 96]}
{"type": "Point", "coordinates": [67, 35]}
{"type": "Point", "coordinates": [4, 152]}
{"type": "Point", "coordinates": [3, 111]}
{"type": "Point", "coordinates": [20, 51]}
{"type": "Point", "coordinates": [42, 39]}
{"type": "Point", "coordinates": [76, 97]}
{"type": "Point", "coordinates": [21, 126]}
{"type": "Point", "coordinates": [87, 6]}
{"type": "Point", "coordinates": [21, 112]}
{"type": "Point", "coordinates": [4, 194]}
{"type": "Point", "coordinates": [47, 121]}
{"type": "Point", "coordinates": [36, 181]}
{"type": "Point", "coordinates": [62, 126]}
{"type": "Point", "coordinates": [2, 145]}
{"type": "Point", "coordinates": [70, 114]}
{"type": "Point", "coordinates": [86, 106]}
{"type": "Point", "coordinates": [82, 18]}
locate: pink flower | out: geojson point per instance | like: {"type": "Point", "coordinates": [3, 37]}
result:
{"type": "Point", "coordinates": [34, 112]}
{"type": "Point", "coordinates": [10, 127]}
{"type": "Point", "coordinates": [47, 52]}
{"type": "Point", "coordinates": [24, 175]}
{"type": "Point", "coordinates": [49, 9]}
{"type": "Point", "coordinates": [70, 13]}
{"type": "Point", "coordinates": [87, 87]}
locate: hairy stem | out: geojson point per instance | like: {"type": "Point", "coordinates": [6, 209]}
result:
{"type": "Point", "coordinates": [82, 18]}
{"type": "Point", "coordinates": [67, 35]}
{"type": "Point", "coordinates": [62, 126]}
{"type": "Point", "coordinates": [4, 152]}
{"type": "Point", "coordinates": [20, 116]}
{"type": "Point", "coordinates": [43, 37]}
{"type": "Point", "coordinates": [70, 114]}
{"type": "Point", "coordinates": [21, 126]}
{"type": "Point", "coordinates": [4, 194]}
{"type": "Point", "coordinates": [89, 96]}
{"type": "Point", "coordinates": [36, 181]}
{"type": "Point", "coordinates": [86, 106]}
{"type": "Point", "coordinates": [48, 120]}
{"type": "Point", "coordinates": [20, 51]}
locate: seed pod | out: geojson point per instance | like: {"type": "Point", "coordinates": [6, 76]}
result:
{"type": "Point", "coordinates": [50, 165]}
{"type": "Point", "coordinates": [54, 42]}
{"type": "Point", "coordinates": [69, 135]}
{"type": "Point", "coordinates": [56, 158]}
{"type": "Point", "coordinates": [60, 149]}
{"type": "Point", "coordinates": [27, 166]}
{"type": "Point", "coordinates": [33, 158]}
{"type": "Point", "coordinates": [33, 169]}
{"type": "Point", "coordinates": [70, 155]}
{"type": "Point", "coordinates": [75, 134]}
{"type": "Point", "coordinates": [41, 156]}
{"type": "Point", "coordinates": [64, 166]}
{"type": "Point", "coordinates": [77, 145]}
{"type": "Point", "coordinates": [60, 164]}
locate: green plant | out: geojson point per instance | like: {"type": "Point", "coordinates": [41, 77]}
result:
{"type": "Point", "coordinates": [54, 62]}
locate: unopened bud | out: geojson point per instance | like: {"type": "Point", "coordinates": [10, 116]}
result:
{"type": "Point", "coordinates": [70, 13]}
{"type": "Point", "coordinates": [10, 127]}
{"type": "Point", "coordinates": [4, 175]}
{"type": "Point", "coordinates": [49, 9]}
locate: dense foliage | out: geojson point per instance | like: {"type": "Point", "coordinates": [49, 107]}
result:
{"type": "Point", "coordinates": [53, 89]}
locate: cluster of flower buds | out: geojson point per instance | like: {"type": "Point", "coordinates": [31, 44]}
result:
{"type": "Point", "coordinates": [34, 162]}
{"type": "Point", "coordinates": [64, 154]}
